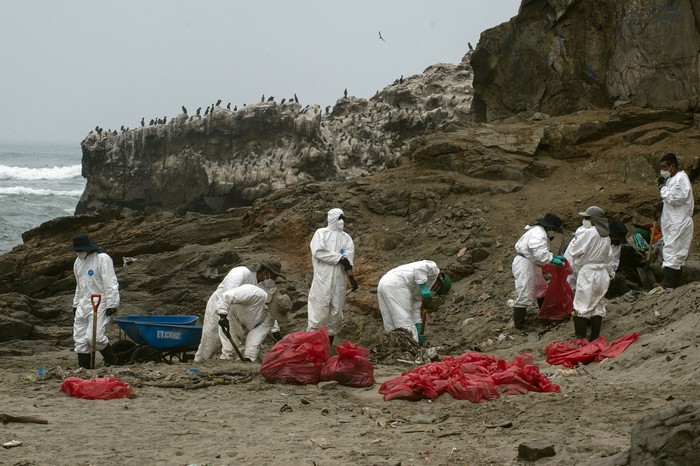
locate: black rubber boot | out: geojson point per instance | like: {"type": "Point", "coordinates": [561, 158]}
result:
{"type": "Point", "coordinates": [331, 338]}
{"type": "Point", "coordinates": [596, 323]}
{"type": "Point", "coordinates": [519, 318]}
{"type": "Point", "coordinates": [540, 301]}
{"type": "Point", "coordinates": [109, 355]}
{"type": "Point", "coordinates": [84, 360]}
{"type": "Point", "coordinates": [580, 327]}
{"type": "Point", "coordinates": [671, 276]}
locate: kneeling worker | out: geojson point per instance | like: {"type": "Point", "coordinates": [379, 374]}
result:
{"type": "Point", "coordinates": [402, 291]}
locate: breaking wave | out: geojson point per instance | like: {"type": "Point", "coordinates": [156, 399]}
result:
{"type": "Point", "coordinates": [40, 192]}
{"type": "Point", "coordinates": [24, 173]}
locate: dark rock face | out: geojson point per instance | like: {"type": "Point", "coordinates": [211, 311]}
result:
{"type": "Point", "coordinates": [230, 158]}
{"type": "Point", "coordinates": [560, 56]}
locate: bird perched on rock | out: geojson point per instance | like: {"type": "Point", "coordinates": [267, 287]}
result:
{"type": "Point", "coordinates": [262, 99]}
{"type": "Point", "coordinates": [345, 93]}
{"type": "Point", "coordinates": [235, 108]}
{"type": "Point", "coordinates": [328, 109]}
{"type": "Point", "coordinates": [206, 112]}
{"type": "Point", "coordinates": [184, 110]}
{"type": "Point", "coordinates": [469, 44]}
{"type": "Point", "coordinates": [380, 36]}
{"type": "Point", "coordinates": [295, 98]}
{"type": "Point", "coordinates": [283, 101]}
{"type": "Point", "coordinates": [271, 99]}
{"type": "Point", "coordinates": [218, 102]}
{"type": "Point", "coordinates": [228, 106]}
{"type": "Point", "coordinates": [199, 110]}
{"type": "Point", "coordinates": [401, 80]}
{"type": "Point", "coordinates": [143, 122]}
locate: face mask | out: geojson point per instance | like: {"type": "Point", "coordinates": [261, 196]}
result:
{"type": "Point", "coordinates": [341, 223]}
{"type": "Point", "coordinates": [550, 235]}
{"type": "Point", "coordinates": [665, 174]}
{"type": "Point", "coordinates": [586, 223]}
{"type": "Point", "coordinates": [81, 254]}
{"type": "Point", "coordinates": [266, 284]}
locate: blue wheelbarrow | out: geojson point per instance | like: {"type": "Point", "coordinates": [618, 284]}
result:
{"type": "Point", "coordinates": [157, 338]}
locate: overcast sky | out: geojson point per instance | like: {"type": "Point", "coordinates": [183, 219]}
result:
{"type": "Point", "coordinates": [68, 66]}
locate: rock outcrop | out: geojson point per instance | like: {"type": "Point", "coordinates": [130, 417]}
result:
{"type": "Point", "coordinates": [230, 158]}
{"type": "Point", "coordinates": [560, 56]}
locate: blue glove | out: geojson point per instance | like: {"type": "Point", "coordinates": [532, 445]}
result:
{"type": "Point", "coordinates": [421, 337]}
{"type": "Point", "coordinates": [425, 291]}
{"type": "Point", "coordinates": [558, 260]}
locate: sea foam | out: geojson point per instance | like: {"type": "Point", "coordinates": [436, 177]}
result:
{"type": "Point", "coordinates": [54, 173]}
{"type": "Point", "coordinates": [39, 192]}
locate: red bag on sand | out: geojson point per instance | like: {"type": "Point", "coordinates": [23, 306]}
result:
{"type": "Point", "coordinates": [106, 388]}
{"type": "Point", "coordinates": [472, 376]}
{"type": "Point", "coordinates": [297, 358]}
{"type": "Point", "coordinates": [349, 367]}
{"type": "Point", "coordinates": [558, 299]}
{"type": "Point", "coordinates": [572, 352]}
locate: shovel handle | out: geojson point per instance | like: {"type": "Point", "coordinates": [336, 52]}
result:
{"type": "Point", "coordinates": [651, 240]}
{"type": "Point", "coordinates": [95, 300]}
{"type": "Point", "coordinates": [235, 347]}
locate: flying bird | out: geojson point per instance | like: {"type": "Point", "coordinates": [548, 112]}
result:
{"type": "Point", "coordinates": [380, 36]}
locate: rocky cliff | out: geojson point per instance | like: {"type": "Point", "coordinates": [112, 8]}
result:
{"type": "Point", "coordinates": [560, 56]}
{"type": "Point", "coordinates": [230, 158]}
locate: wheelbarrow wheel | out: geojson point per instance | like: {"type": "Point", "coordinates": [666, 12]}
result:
{"type": "Point", "coordinates": [146, 353]}
{"type": "Point", "coordinates": [123, 349]}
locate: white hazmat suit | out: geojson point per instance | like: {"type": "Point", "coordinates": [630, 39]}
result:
{"type": "Point", "coordinates": [327, 293]}
{"type": "Point", "coordinates": [399, 294]}
{"type": "Point", "coordinates": [532, 253]}
{"type": "Point", "coordinates": [677, 219]}
{"type": "Point", "coordinates": [249, 320]}
{"type": "Point", "coordinates": [94, 275]}
{"type": "Point", "coordinates": [590, 256]}
{"type": "Point", "coordinates": [212, 336]}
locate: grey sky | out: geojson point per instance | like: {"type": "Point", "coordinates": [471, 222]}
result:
{"type": "Point", "coordinates": [68, 66]}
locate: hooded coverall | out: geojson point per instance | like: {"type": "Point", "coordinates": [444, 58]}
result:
{"type": "Point", "coordinates": [677, 219]}
{"type": "Point", "coordinates": [249, 320]}
{"type": "Point", "coordinates": [532, 252]}
{"type": "Point", "coordinates": [212, 336]}
{"type": "Point", "coordinates": [591, 259]}
{"type": "Point", "coordinates": [399, 294]}
{"type": "Point", "coordinates": [327, 293]}
{"type": "Point", "coordinates": [94, 275]}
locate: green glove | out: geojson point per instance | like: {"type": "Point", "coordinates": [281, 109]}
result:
{"type": "Point", "coordinates": [558, 260]}
{"type": "Point", "coordinates": [421, 337]}
{"type": "Point", "coordinates": [425, 291]}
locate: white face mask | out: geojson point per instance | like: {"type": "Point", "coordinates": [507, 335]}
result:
{"type": "Point", "coordinates": [81, 254]}
{"type": "Point", "coordinates": [586, 223]}
{"type": "Point", "coordinates": [550, 235]}
{"type": "Point", "coordinates": [665, 174]}
{"type": "Point", "coordinates": [266, 284]}
{"type": "Point", "coordinates": [341, 223]}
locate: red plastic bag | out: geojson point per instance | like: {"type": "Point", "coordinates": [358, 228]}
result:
{"type": "Point", "coordinates": [572, 352]}
{"type": "Point", "coordinates": [297, 358]}
{"type": "Point", "coordinates": [106, 388]}
{"type": "Point", "coordinates": [558, 299]}
{"type": "Point", "coordinates": [349, 367]}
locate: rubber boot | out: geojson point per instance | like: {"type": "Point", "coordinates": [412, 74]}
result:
{"type": "Point", "coordinates": [669, 280]}
{"type": "Point", "coordinates": [519, 318]}
{"type": "Point", "coordinates": [596, 323]}
{"type": "Point", "coordinates": [109, 355]}
{"type": "Point", "coordinates": [84, 360]}
{"type": "Point", "coordinates": [330, 339]}
{"type": "Point", "coordinates": [580, 327]}
{"type": "Point", "coordinates": [540, 302]}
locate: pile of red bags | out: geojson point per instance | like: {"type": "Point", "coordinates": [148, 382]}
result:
{"type": "Point", "coordinates": [302, 358]}
{"type": "Point", "coordinates": [573, 352]}
{"type": "Point", "coordinates": [472, 376]}
{"type": "Point", "coordinates": [106, 388]}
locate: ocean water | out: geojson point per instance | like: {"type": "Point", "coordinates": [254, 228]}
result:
{"type": "Point", "coordinates": [39, 181]}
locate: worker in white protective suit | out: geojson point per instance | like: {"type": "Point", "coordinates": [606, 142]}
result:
{"type": "Point", "coordinates": [532, 252]}
{"type": "Point", "coordinates": [332, 256]}
{"type": "Point", "coordinates": [94, 275]}
{"type": "Point", "coordinates": [590, 255]}
{"type": "Point", "coordinates": [402, 292]}
{"type": "Point", "coordinates": [213, 338]}
{"type": "Point", "coordinates": [248, 313]}
{"type": "Point", "coordinates": [676, 219]}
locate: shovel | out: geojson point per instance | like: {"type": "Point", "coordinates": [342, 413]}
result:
{"type": "Point", "coordinates": [95, 299]}
{"type": "Point", "coordinates": [230, 340]}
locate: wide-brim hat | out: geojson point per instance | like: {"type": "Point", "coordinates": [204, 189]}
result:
{"type": "Point", "coordinates": [550, 220]}
{"type": "Point", "coordinates": [81, 242]}
{"type": "Point", "coordinates": [278, 305]}
{"type": "Point", "coordinates": [273, 265]}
